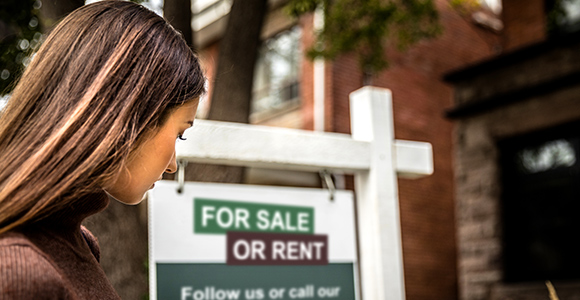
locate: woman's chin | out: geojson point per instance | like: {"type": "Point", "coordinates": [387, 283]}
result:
{"type": "Point", "coordinates": [127, 199]}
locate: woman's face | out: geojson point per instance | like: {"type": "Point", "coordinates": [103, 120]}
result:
{"type": "Point", "coordinates": [153, 157]}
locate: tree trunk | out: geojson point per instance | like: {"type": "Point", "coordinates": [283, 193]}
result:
{"type": "Point", "coordinates": [178, 13]}
{"type": "Point", "coordinates": [53, 11]}
{"type": "Point", "coordinates": [232, 91]}
{"type": "Point", "coordinates": [5, 31]}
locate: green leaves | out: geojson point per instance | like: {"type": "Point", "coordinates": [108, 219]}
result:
{"type": "Point", "coordinates": [366, 27]}
{"type": "Point", "coordinates": [298, 7]}
{"type": "Point", "coordinates": [19, 36]}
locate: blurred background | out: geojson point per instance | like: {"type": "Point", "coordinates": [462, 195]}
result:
{"type": "Point", "coordinates": [493, 85]}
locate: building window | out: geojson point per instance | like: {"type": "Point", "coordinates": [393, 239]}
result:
{"type": "Point", "coordinates": [563, 16]}
{"type": "Point", "coordinates": [541, 205]}
{"type": "Point", "coordinates": [277, 74]}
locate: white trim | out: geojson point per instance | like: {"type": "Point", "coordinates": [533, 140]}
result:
{"type": "Point", "coordinates": [293, 149]}
{"type": "Point", "coordinates": [319, 78]}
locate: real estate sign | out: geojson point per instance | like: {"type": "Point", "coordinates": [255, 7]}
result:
{"type": "Point", "coordinates": [226, 241]}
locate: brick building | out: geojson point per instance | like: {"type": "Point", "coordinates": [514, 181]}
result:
{"type": "Point", "coordinates": [315, 95]}
{"type": "Point", "coordinates": [517, 143]}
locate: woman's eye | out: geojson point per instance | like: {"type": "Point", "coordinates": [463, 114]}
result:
{"type": "Point", "coordinates": [181, 137]}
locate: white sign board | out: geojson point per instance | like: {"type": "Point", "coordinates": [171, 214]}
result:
{"type": "Point", "coordinates": [227, 241]}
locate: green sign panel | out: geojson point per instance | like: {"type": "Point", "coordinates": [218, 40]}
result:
{"type": "Point", "coordinates": [218, 217]}
{"type": "Point", "coordinates": [222, 282]}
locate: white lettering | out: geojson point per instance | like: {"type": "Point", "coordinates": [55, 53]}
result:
{"type": "Point", "coordinates": [276, 293]}
{"type": "Point", "coordinates": [233, 294]}
{"type": "Point", "coordinates": [296, 250]}
{"type": "Point", "coordinates": [278, 249]}
{"type": "Point", "coordinates": [185, 292]}
{"type": "Point", "coordinates": [292, 247]}
{"type": "Point", "coordinates": [220, 294]}
{"type": "Point", "coordinates": [328, 292]}
{"type": "Point", "coordinates": [277, 221]}
{"type": "Point", "coordinates": [205, 214]}
{"type": "Point", "coordinates": [242, 217]}
{"type": "Point", "coordinates": [318, 246]}
{"type": "Point", "coordinates": [263, 222]}
{"type": "Point", "coordinates": [306, 250]}
{"type": "Point", "coordinates": [198, 295]}
{"type": "Point", "coordinates": [289, 226]}
{"type": "Point", "coordinates": [246, 248]}
{"type": "Point", "coordinates": [254, 294]}
{"type": "Point", "coordinates": [258, 249]}
{"type": "Point", "coordinates": [303, 221]}
{"type": "Point", "coordinates": [209, 292]}
{"type": "Point", "coordinates": [220, 219]}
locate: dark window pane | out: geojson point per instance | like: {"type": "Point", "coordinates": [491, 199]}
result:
{"type": "Point", "coordinates": [277, 75]}
{"type": "Point", "coordinates": [541, 205]}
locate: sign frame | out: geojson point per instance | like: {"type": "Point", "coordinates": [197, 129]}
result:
{"type": "Point", "coordinates": [172, 215]}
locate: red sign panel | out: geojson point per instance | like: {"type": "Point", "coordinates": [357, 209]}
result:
{"type": "Point", "coordinates": [252, 248]}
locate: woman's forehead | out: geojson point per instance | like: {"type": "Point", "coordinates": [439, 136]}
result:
{"type": "Point", "coordinates": [187, 111]}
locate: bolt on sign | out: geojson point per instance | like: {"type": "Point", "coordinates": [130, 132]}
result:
{"type": "Point", "coordinates": [226, 241]}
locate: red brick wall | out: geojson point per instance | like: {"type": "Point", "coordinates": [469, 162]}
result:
{"type": "Point", "coordinates": [524, 23]}
{"type": "Point", "coordinates": [419, 100]}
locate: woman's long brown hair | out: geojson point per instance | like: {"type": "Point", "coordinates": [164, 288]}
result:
{"type": "Point", "coordinates": [107, 75]}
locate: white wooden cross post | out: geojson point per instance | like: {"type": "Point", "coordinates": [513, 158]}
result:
{"type": "Point", "coordinates": [371, 154]}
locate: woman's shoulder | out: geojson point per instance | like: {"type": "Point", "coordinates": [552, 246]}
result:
{"type": "Point", "coordinates": [27, 273]}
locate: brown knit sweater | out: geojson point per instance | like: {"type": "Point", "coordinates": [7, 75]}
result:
{"type": "Point", "coordinates": [56, 258]}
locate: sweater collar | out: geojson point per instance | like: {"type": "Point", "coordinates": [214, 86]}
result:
{"type": "Point", "coordinates": [76, 212]}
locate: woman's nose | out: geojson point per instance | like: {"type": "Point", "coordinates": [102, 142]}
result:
{"type": "Point", "coordinates": [172, 166]}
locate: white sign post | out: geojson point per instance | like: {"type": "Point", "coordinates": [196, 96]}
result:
{"type": "Point", "coordinates": [378, 201]}
{"type": "Point", "coordinates": [371, 153]}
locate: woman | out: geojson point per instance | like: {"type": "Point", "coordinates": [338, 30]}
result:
{"type": "Point", "coordinates": [95, 115]}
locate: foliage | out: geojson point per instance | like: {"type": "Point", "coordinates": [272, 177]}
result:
{"type": "Point", "coordinates": [19, 35]}
{"type": "Point", "coordinates": [366, 27]}
{"type": "Point", "coordinates": [465, 6]}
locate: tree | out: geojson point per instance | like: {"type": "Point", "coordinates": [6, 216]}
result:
{"type": "Point", "coordinates": [178, 13]}
{"type": "Point", "coordinates": [22, 25]}
{"type": "Point", "coordinates": [54, 10]}
{"type": "Point", "coordinates": [366, 26]}
{"type": "Point", "coordinates": [20, 33]}
{"type": "Point", "coordinates": [232, 92]}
